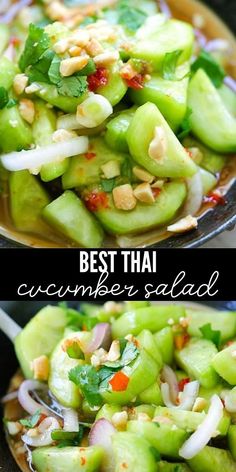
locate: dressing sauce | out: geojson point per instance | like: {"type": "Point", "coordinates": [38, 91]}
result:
{"type": "Point", "coordinates": [212, 28]}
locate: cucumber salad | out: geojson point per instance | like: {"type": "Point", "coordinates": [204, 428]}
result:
{"type": "Point", "coordinates": [131, 386]}
{"type": "Point", "coordinates": [116, 119]}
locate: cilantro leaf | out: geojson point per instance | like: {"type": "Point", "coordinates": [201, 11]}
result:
{"type": "Point", "coordinates": [214, 70]}
{"type": "Point", "coordinates": [211, 334]}
{"type": "Point", "coordinates": [108, 184]}
{"type": "Point", "coordinates": [67, 438]}
{"type": "Point", "coordinates": [129, 354]}
{"type": "Point", "coordinates": [36, 44]}
{"type": "Point", "coordinates": [12, 103]}
{"type": "Point", "coordinates": [185, 125]}
{"type": "Point", "coordinates": [88, 380]}
{"type": "Point", "coordinates": [32, 421]}
{"type": "Point", "coordinates": [77, 320]}
{"type": "Point", "coordinates": [54, 70]}
{"type": "Point", "coordinates": [105, 374]}
{"type": "Point", "coordinates": [4, 98]}
{"type": "Point", "coordinates": [72, 86]}
{"type": "Point", "coordinates": [130, 17]}
{"type": "Point", "coordinates": [39, 72]}
{"type": "Point", "coordinates": [170, 64]}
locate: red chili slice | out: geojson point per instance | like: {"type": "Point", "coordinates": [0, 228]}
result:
{"type": "Point", "coordinates": [136, 83]}
{"type": "Point", "coordinates": [182, 383]}
{"type": "Point", "coordinates": [215, 198]}
{"type": "Point", "coordinates": [95, 201]}
{"type": "Point", "coordinates": [98, 79]}
{"type": "Point", "coordinates": [90, 155]}
{"type": "Point", "coordinates": [119, 382]}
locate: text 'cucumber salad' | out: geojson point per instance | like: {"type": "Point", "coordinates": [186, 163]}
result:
{"type": "Point", "coordinates": [133, 386]}
{"type": "Point", "coordinates": [115, 119]}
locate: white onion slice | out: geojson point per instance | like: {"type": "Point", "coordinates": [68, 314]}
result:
{"type": "Point", "coordinates": [217, 45]}
{"type": "Point", "coordinates": [188, 396]}
{"type": "Point", "coordinates": [101, 434]}
{"type": "Point", "coordinates": [201, 38]}
{"type": "Point", "coordinates": [194, 196]}
{"type": "Point", "coordinates": [93, 111]}
{"type": "Point", "coordinates": [25, 399]}
{"type": "Point", "coordinates": [229, 398]}
{"type": "Point", "coordinates": [101, 337]}
{"type": "Point", "coordinates": [9, 397]}
{"type": "Point", "coordinates": [168, 376]}
{"type": "Point", "coordinates": [71, 420]}
{"type": "Point", "coordinates": [68, 122]}
{"type": "Point", "coordinates": [14, 10]}
{"type": "Point", "coordinates": [44, 433]}
{"type": "Point", "coordinates": [200, 438]}
{"type": "Point", "coordinates": [35, 158]}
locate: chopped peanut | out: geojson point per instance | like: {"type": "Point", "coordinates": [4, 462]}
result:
{"type": "Point", "coordinates": [27, 110]}
{"type": "Point", "coordinates": [56, 11]}
{"type": "Point", "coordinates": [19, 83]}
{"type": "Point", "coordinates": [158, 145]}
{"type": "Point", "coordinates": [98, 357]}
{"type": "Point", "coordinates": [112, 307]}
{"type": "Point", "coordinates": [124, 198]}
{"type": "Point", "coordinates": [111, 169]}
{"type": "Point", "coordinates": [63, 135]}
{"type": "Point", "coordinates": [128, 71]}
{"type": "Point", "coordinates": [114, 351]}
{"type": "Point", "coordinates": [61, 46]}
{"type": "Point", "coordinates": [32, 88]}
{"type": "Point", "coordinates": [13, 427]}
{"type": "Point", "coordinates": [143, 174]}
{"type": "Point", "coordinates": [74, 64]}
{"type": "Point", "coordinates": [81, 38]}
{"type": "Point", "coordinates": [158, 184]}
{"type": "Point", "coordinates": [143, 193]}
{"type": "Point", "coordinates": [119, 420]}
{"type": "Point", "coordinates": [183, 225]}
{"type": "Point", "coordinates": [75, 51]}
{"type": "Point", "coordinates": [200, 404]}
{"type": "Point", "coordinates": [40, 367]}
{"type": "Point", "coordinates": [94, 48]}
{"type": "Point", "coordinates": [106, 58]}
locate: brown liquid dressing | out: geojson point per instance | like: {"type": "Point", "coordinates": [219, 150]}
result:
{"type": "Point", "coordinates": [213, 28]}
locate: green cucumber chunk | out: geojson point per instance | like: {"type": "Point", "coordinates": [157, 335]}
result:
{"type": "Point", "coordinates": [14, 131]}
{"type": "Point", "coordinates": [225, 364]}
{"type": "Point", "coordinates": [116, 87]}
{"type": "Point", "coordinates": [65, 391]}
{"type": "Point", "coordinates": [175, 162]}
{"type": "Point", "coordinates": [166, 439]}
{"type": "Point", "coordinates": [232, 440]}
{"type": "Point", "coordinates": [146, 341]}
{"type": "Point", "coordinates": [157, 38]}
{"type": "Point", "coordinates": [195, 358]}
{"type": "Point", "coordinates": [27, 200]}
{"type": "Point", "coordinates": [210, 120]}
{"type": "Point", "coordinates": [50, 94]}
{"type": "Point", "coordinates": [209, 181]}
{"type": "Point", "coordinates": [169, 96]}
{"type": "Point", "coordinates": [133, 412]}
{"type": "Point", "coordinates": [210, 160]}
{"type": "Point", "coordinates": [71, 459]}
{"type": "Point", "coordinates": [229, 98]}
{"type": "Point", "coordinates": [107, 411]}
{"type": "Point", "coordinates": [7, 72]}
{"type": "Point", "coordinates": [163, 466]}
{"type": "Point", "coordinates": [153, 318]}
{"type": "Point", "coordinates": [212, 459]}
{"type": "Point", "coordinates": [133, 451]}
{"type": "Point", "coordinates": [144, 217]}
{"type": "Point", "coordinates": [43, 128]}
{"type": "Point", "coordinates": [39, 337]}
{"type": "Point", "coordinates": [144, 372]}
{"type": "Point", "coordinates": [116, 133]}
{"type": "Point", "coordinates": [151, 396]}
{"type": "Point", "coordinates": [190, 420]}
{"type": "Point", "coordinates": [223, 321]}
{"type": "Point", "coordinates": [83, 171]}
{"type": "Point", "coordinates": [68, 215]}
{"type": "Point", "coordinates": [165, 344]}
{"type": "Point", "coordinates": [4, 36]}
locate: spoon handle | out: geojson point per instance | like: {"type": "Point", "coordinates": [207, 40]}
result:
{"type": "Point", "coordinates": [8, 326]}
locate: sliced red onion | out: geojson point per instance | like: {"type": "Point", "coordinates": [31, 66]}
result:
{"type": "Point", "coordinates": [14, 10]}
{"type": "Point", "coordinates": [201, 38]}
{"type": "Point", "coordinates": [10, 52]}
{"type": "Point", "coordinates": [200, 438]}
{"type": "Point", "coordinates": [44, 433]}
{"type": "Point", "coordinates": [101, 434]}
{"type": "Point", "coordinates": [101, 337]}
{"type": "Point", "coordinates": [188, 396]}
{"type": "Point", "coordinates": [194, 196]}
{"type": "Point", "coordinates": [168, 376]}
{"type": "Point", "coordinates": [217, 45]}
{"type": "Point", "coordinates": [25, 399]}
{"type": "Point", "coordinates": [231, 83]}
{"type": "Point", "coordinates": [9, 397]}
{"type": "Point", "coordinates": [71, 420]}
{"type": "Point", "coordinates": [164, 7]}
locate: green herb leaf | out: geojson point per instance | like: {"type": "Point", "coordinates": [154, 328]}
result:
{"type": "Point", "coordinates": [4, 98]}
{"type": "Point", "coordinates": [89, 69]}
{"type": "Point", "coordinates": [54, 71]}
{"type": "Point", "coordinates": [74, 351]}
{"type": "Point", "coordinates": [108, 184]}
{"type": "Point", "coordinates": [67, 438]}
{"type": "Point", "coordinates": [32, 421]}
{"type": "Point", "coordinates": [39, 72]}
{"type": "Point", "coordinates": [129, 354]}
{"type": "Point", "coordinates": [12, 103]}
{"type": "Point", "coordinates": [126, 170]}
{"type": "Point", "coordinates": [185, 125]}
{"type": "Point", "coordinates": [130, 17]}
{"type": "Point", "coordinates": [73, 86]}
{"type": "Point", "coordinates": [170, 64]}
{"type": "Point", "coordinates": [211, 67]}
{"type": "Point", "coordinates": [211, 334]}
{"type": "Point", "coordinates": [77, 320]}
{"type": "Point", "coordinates": [105, 374]}
{"type": "Point", "coordinates": [36, 44]}
{"type": "Point", "coordinates": [88, 380]}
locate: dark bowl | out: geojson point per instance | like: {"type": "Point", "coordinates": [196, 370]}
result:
{"type": "Point", "coordinates": [22, 312]}
{"type": "Point", "coordinates": [217, 220]}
